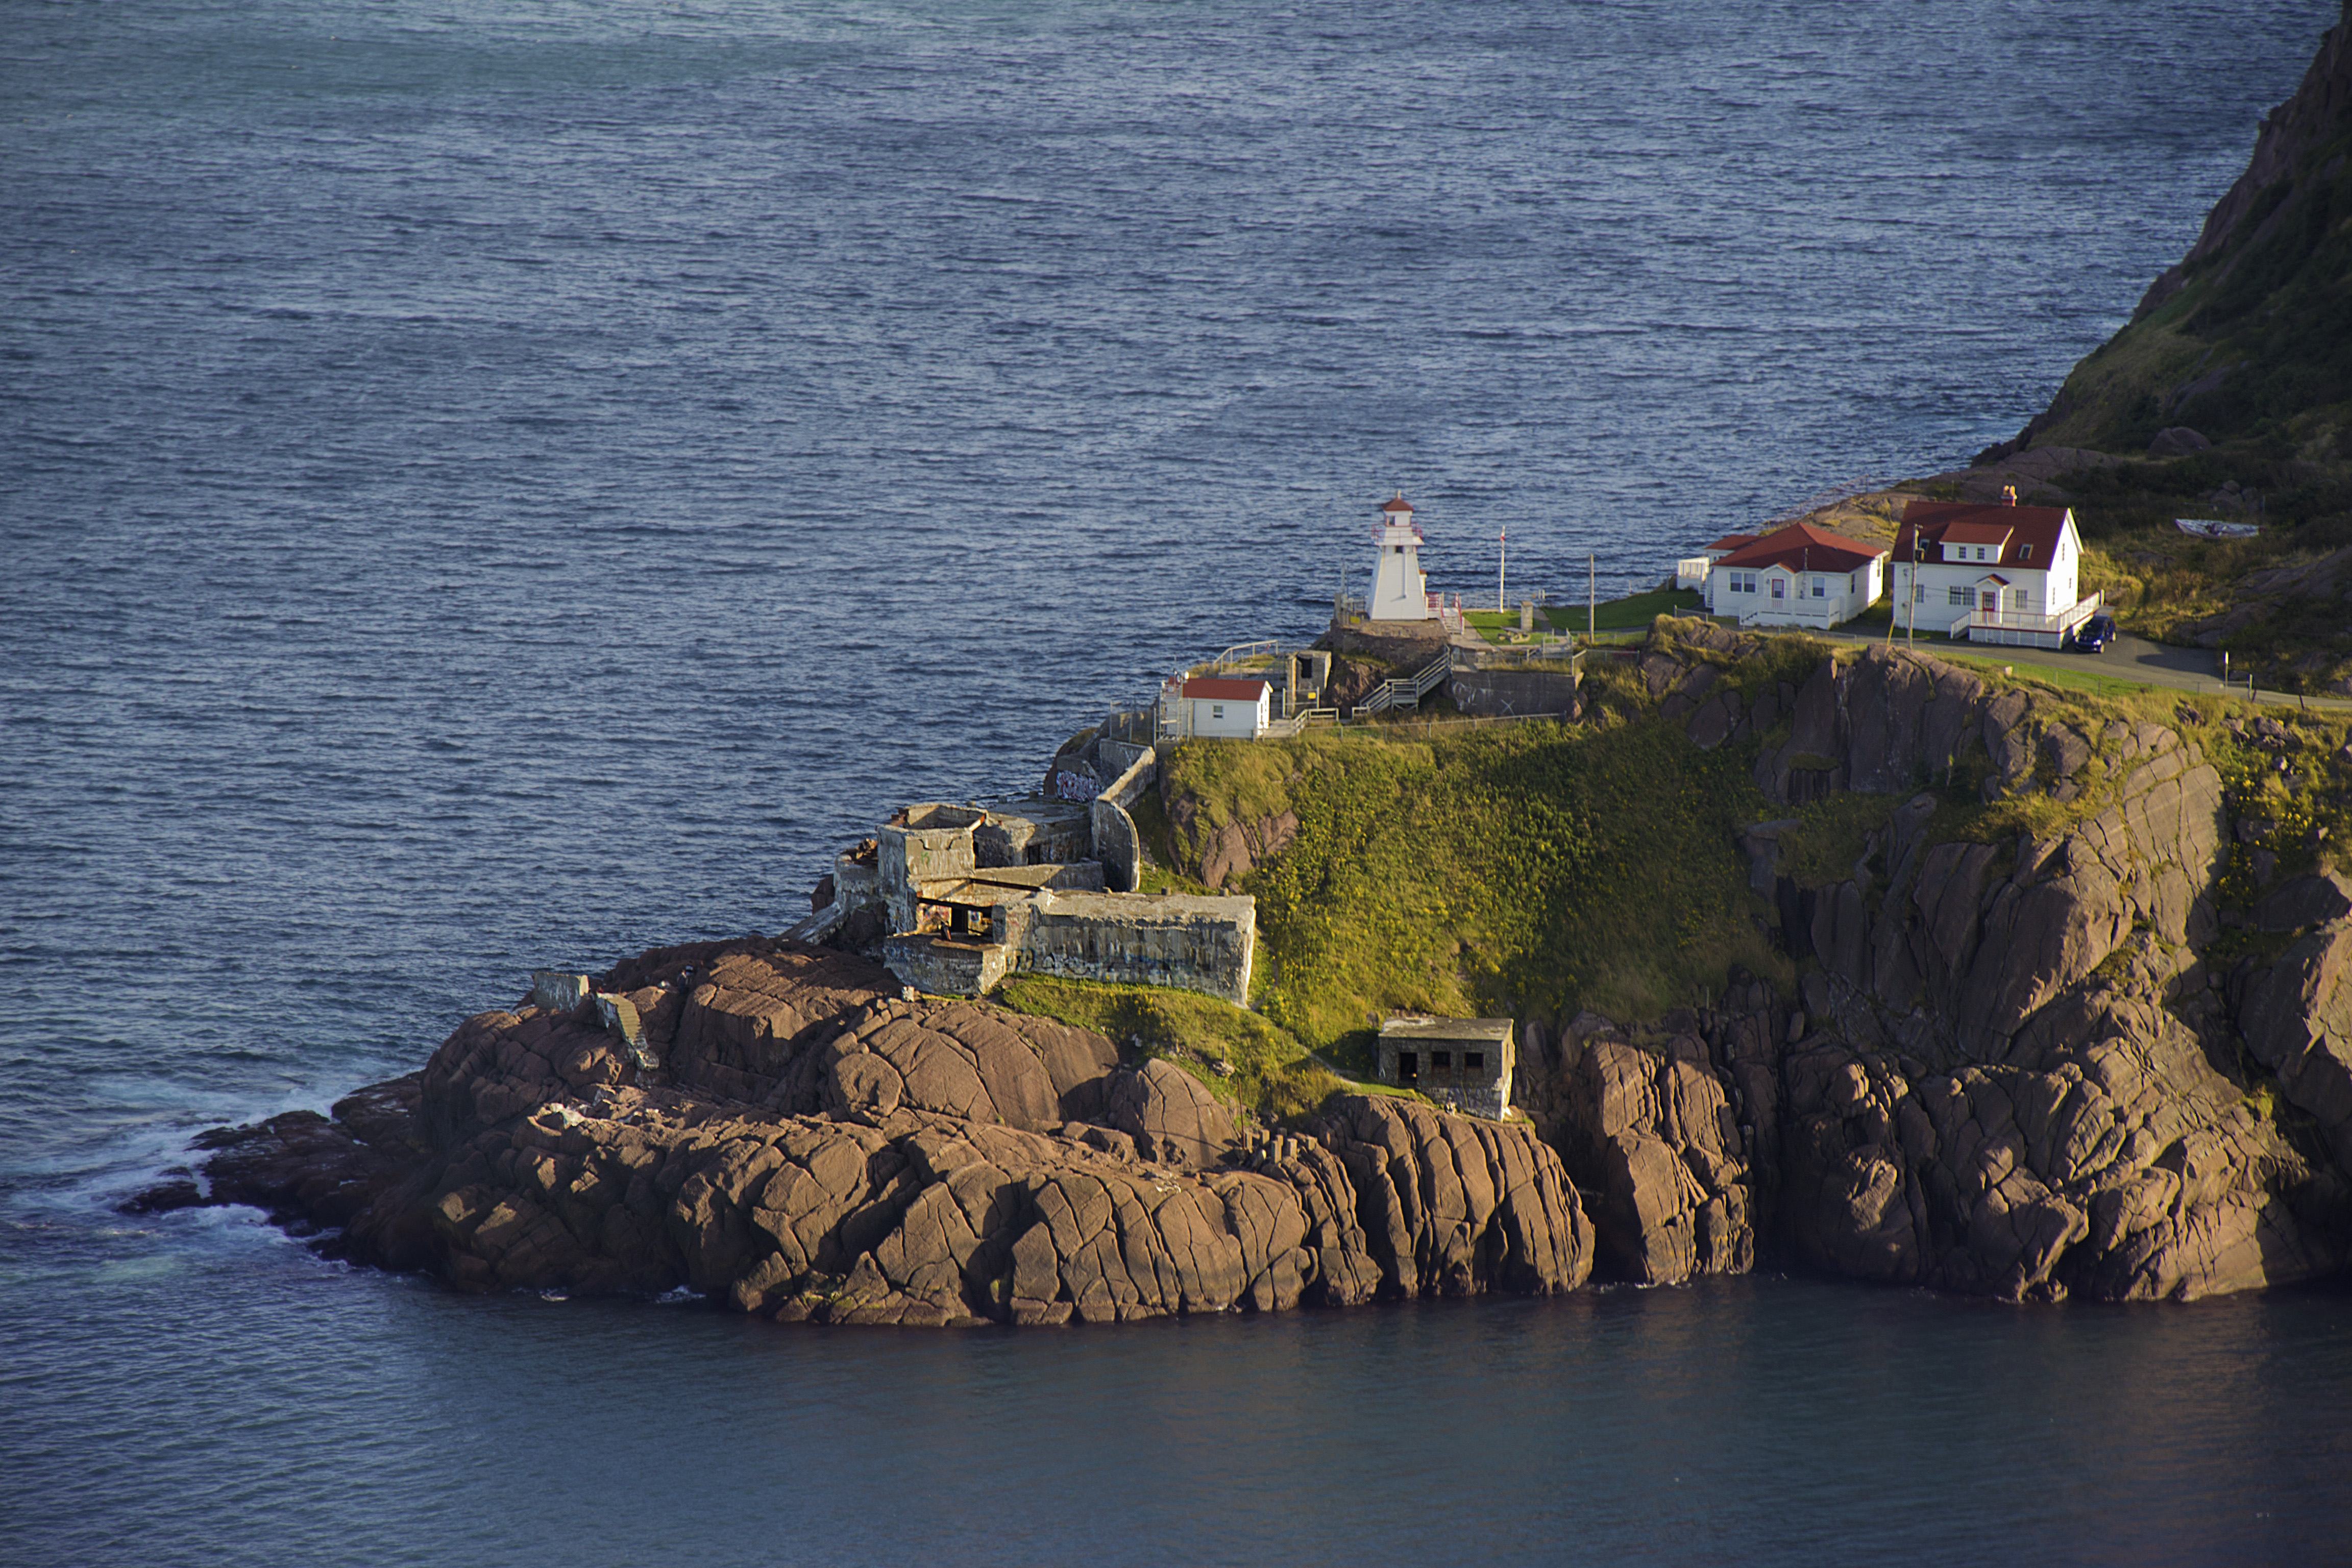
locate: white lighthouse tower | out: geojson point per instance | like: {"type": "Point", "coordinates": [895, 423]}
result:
{"type": "Point", "coordinates": [1400, 587]}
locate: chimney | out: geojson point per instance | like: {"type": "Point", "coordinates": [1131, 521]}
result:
{"type": "Point", "coordinates": [2008, 495]}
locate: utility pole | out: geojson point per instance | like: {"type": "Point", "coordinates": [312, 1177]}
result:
{"type": "Point", "coordinates": [1890, 609]}
{"type": "Point", "coordinates": [1502, 557]}
{"type": "Point", "coordinates": [1592, 597]}
{"type": "Point", "coordinates": [1911, 632]}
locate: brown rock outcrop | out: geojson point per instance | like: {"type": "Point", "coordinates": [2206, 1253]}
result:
{"type": "Point", "coordinates": [1454, 1205]}
{"type": "Point", "coordinates": [2002, 1078]}
{"type": "Point", "coordinates": [1654, 1144]}
{"type": "Point", "coordinates": [819, 1147]}
{"type": "Point", "coordinates": [2297, 1018]}
{"type": "Point", "coordinates": [2117, 1164]}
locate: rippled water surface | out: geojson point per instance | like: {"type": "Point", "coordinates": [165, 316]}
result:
{"type": "Point", "coordinates": [487, 485]}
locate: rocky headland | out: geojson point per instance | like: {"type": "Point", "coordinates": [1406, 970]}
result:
{"type": "Point", "coordinates": [818, 1146]}
{"type": "Point", "coordinates": [2065, 1013]}
{"type": "Point", "coordinates": [1921, 977]}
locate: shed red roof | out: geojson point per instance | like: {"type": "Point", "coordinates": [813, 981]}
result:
{"type": "Point", "coordinates": [1224, 689]}
{"type": "Point", "coordinates": [1801, 547]}
{"type": "Point", "coordinates": [2028, 535]}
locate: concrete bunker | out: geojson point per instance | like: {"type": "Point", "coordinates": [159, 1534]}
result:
{"type": "Point", "coordinates": [959, 897]}
{"type": "Point", "coordinates": [1463, 1062]}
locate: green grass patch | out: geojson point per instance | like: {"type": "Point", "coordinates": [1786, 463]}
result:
{"type": "Point", "coordinates": [1527, 869]}
{"type": "Point", "coordinates": [1632, 613]}
{"type": "Point", "coordinates": [1272, 1075]}
{"type": "Point", "coordinates": [1502, 626]}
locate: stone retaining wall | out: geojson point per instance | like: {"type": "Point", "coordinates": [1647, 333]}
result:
{"type": "Point", "coordinates": [1192, 943]}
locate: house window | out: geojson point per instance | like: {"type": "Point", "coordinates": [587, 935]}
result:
{"type": "Point", "coordinates": [1474, 1061]}
{"type": "Point", "coordinates": [1440, 1058]}
{"type": "Point", "coordinates": [1960, 596]}
{"type": "Point", "coordinates": [1919, 593]}
{"type": "Point", "coordinates": [1217, 711]}
{"type": "Point", "coordinates": [2025, 552]}
{"type": "Point", "coordinates": [1849, 583]}
{"type": "Point", "coordinates": [1820, 588]}
{"type": "Point", "coordinates": [2017, 598]}
{"type": "Point", "coordinates": [1743, 582]}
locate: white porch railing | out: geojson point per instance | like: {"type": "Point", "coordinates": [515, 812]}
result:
{"type": "Point", "coordinates": [2057, 622]}
{"type": "Point", "coordinates": [1796, 613]}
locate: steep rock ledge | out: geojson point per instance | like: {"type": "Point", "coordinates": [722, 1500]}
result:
{"type": "Point", "coordinates": [816, 1146]}
{"type": "Point", "coordinates": [2009, 1072]}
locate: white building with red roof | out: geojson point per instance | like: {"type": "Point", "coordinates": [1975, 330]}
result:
{"type": "Point", "coordinates": [1993, 573]}
{"type": "Point", "coordinates": [1226, 705]}
{"type": "Point", "coordinates": [1799, 576]}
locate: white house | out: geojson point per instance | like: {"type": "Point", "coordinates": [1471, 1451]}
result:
{"type": "Point", "coordinates": [1221, 705]}
{"type": "Point", "coordinates": [1996, 573]}
{"type": "Point", "coordinates": [1400, 587]}
{"type": "Point", "coordinates": [1795, 577]}
{"type": "Point", "coordinates": [1691, 570]}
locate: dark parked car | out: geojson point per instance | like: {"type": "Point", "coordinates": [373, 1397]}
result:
{"type": "Point", "coordinates": [2094, 635]}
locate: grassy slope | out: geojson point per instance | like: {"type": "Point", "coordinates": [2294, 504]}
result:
{"type": "Point", "coordinates": [1523, 867]}
{"type": "Point", "coordinates": [1539, 870]}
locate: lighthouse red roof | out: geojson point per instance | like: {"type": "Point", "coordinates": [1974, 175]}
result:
{"type": "Point", "coordinates": [1400, 504]}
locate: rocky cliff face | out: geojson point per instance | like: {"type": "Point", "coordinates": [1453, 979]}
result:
{"type": "Point", "coordinates": [817, 1146]}
{"type": "Point", "coordinates": [2010, 1069]}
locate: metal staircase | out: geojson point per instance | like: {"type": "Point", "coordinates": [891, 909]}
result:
{"type": "Point", "coordinates": [1406, 691]}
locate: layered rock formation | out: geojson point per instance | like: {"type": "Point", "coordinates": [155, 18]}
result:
{"type": "Point", "coordinates": [816, 1146]}
{"type": "Point", "coordinates": [2010, 1071]}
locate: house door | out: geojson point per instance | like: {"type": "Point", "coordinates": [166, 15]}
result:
{"type": "Point", "coordinates": [1408, 1068]}
{"type": "Point", "coordinates": [1989, 600]}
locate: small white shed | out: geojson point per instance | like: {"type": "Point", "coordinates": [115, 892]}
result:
{"type": "Point", "coordinates": [1219, 705]}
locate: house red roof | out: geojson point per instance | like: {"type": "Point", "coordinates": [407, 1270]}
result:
{"type": "Point", "coordinates": [1730, 541]}
{"type": "Point", "coordinates": [2027, 535]}
{"type": "Point", "coordinates": [1801, 547]}
{"type": "Point", "coordinates": [1223, 689]}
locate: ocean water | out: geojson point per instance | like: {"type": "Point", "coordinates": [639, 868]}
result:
{"type": "Point", "coordinates": [487, 485]}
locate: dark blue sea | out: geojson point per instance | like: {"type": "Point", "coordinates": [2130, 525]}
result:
{"type": "Point", "coordinates": [491, 485]}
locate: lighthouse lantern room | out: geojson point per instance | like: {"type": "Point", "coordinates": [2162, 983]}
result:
{"type": "Point", "coordinates": [1400, 587]}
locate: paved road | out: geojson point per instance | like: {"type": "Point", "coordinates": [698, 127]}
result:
{"type": "Point", "coordinates": [2126, 659]}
